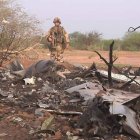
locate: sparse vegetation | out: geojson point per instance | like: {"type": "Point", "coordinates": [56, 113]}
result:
{"type": "Point", "coordinates": [85, 41]}
{"type": "Point", "coordinates": [131, 42]}
{"type": "Point", "coordinates": [93, 41]}
{"type": "Point", "coordinates": [17, 30]}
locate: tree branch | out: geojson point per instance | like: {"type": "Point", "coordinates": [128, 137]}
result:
{"type": "Point", "coordinates": [101, 57]}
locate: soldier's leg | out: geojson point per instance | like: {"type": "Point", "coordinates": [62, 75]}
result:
{"type": "Point", "coordinates": [49, 46]}
{"type": "Point", "coordinates": [63, 47]}
{"type": "Point", "coordinates": [53, 54]}
{"type": "Point", "coordinates": [59, 53]}
{"type": "Point", "coordinates": [52, 50]}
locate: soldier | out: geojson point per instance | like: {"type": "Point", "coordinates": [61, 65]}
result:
{"type": "Point", "coordinates": [57, 40]}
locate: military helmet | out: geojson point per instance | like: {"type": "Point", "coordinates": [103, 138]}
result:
{"type": "Point", "coordinates": [57, 19]}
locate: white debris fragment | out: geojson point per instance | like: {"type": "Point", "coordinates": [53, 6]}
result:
{"type": "Point", "coordinates": [9, 75]}
{"type": "Point", "coordinates": [39, 79]}
{"type": "Point", "coordinates": [12, 85]}
{"type": "Point", "coordinates": [33, 90]}
{"type": "Point", "coordinates": [3, 134]}
{"type": "Point", "coordinates": [61, 74]}
{"type": "Point", "coordinates": [41, 105]}
{"type": "Point", "coordinates": [18, 119]}
{"type": "Point", "coordinates": [29, 81]}
{"type": "Point", "coordinates": [31, 132]}
{"type": "Point", "coordinates": [4, 79]}
{"type": "Point", "coordinates": [5, 21]}
{"type": "Point", "coordinates": [10, 96]}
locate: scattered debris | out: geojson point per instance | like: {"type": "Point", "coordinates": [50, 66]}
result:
{"type": "Point", "coordinates": [62, 101]}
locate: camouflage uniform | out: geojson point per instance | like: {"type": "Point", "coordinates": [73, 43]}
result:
{"type": "Point", "coordinates": [57, 40]}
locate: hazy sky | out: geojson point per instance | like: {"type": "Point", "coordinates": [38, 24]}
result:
{"type": "Point", "coordinates": [112, 18]}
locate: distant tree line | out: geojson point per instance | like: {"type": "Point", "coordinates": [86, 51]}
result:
{"type": "Point", "coordinates": [93, 41]}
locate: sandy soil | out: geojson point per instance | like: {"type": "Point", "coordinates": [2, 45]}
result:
{"type": "Point", "coordinates": [82, 57]}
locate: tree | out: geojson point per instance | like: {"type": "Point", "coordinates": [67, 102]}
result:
{"type": "Point", "coordinates": [84, 41]}
{"type": "Point", "coordinates": [17, 30]}
{"type": "Point", "coordinates": [131, 41]}
{"type": "Point", "coordinates": [109, 63]}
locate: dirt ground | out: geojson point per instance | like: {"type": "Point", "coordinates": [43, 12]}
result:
{"type": "Point", "coordinates": [82, 57]}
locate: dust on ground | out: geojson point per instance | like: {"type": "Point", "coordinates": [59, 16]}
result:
{"type": "Point", "coordinates": [82, 57]}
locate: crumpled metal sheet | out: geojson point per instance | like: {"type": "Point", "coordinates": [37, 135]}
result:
{"type": "Point", "coordinates": [130, 124]}
{"type": "Point", "coordinates": [39, 67]}
{"type": "Point", "coordinates": [88, 85]}
{"type": "Point", "coordinates": [115, 95]}
{"type": "Point", "coordinates": [89, 90]}
{"type": "Point", "coordinates": [20, 73]}
{"type": "Point", "coordinates": [119, 96]}
{"type": "Point", "coordinates": [119, 77]}
{"type": "Point", "coordinates": [15, 66]}
{"type": "Point", "coordinates": [88, 93]}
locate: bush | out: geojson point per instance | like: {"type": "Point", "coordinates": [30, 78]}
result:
{"type": "Point", "coordinates": [106, 43]}
{"type": "Point", "coordinates": [131, 42]}
{"type": "Point", "coordinates": [17, 30]}
{"type": "Point", "coordinates": [84, 41]}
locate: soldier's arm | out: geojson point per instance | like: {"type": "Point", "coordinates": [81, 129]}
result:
{"type": "Point", "coordinates": [66, 36]}
{"type": "Point", "coordinates": [48, 36]}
